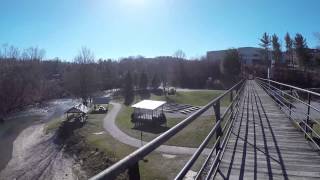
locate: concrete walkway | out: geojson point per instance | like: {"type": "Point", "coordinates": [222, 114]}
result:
{"type": "Point", "coordinates": [111, 127]}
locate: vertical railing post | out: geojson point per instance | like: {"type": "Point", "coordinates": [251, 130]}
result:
{"type": "Point", "coordinates": [216, 108]}
{"type": "Point", "coordinates": [308, 115]}
{"type": "Point", "coordinates": [231, 101]}
{"type": "Point", "coordinates": [268, 81]}
{"type": "Point", "coordinates": [290, 105]}
{"type": "Point", "coordinates": [309, 102]}
{"type": "Point", "coordinates": [133, 172]}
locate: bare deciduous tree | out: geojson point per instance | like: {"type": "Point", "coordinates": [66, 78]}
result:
{"type": "Point", "coordinates": [317, 35]}
{"type": "Point", "coordinates": [179, 54]}
{"type": "Point", "coordinates": [81, 81]}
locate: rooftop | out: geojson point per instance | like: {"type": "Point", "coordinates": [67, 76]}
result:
{"type": "Point", "coordinates": [80, 108]}
{"type": "Point", "coordinates": [148, 104]}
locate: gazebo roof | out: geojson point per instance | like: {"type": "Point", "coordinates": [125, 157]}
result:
{"type": "Point", "coordinates": [80, 108]}
{"type": "Point", "coordinates": [148, 104]}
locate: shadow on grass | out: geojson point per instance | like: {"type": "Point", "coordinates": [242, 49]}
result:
{"type": "Point", "coordinates": [151, 129]}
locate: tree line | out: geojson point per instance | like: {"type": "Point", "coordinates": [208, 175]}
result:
{"type": "Point", "coordinates": [294, 62]}
{"type": "Point", "coordinates": [295, 47]}
{"type": "Point", "coordinates": [27, 78]}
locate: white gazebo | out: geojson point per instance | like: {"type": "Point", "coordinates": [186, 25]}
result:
{"type": "Point", "coordinates": [148, 112]}
{"type": "Point", "coordinates": [79, 109]}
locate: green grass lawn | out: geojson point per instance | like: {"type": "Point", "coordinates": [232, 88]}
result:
{"type": "Point", "coordinates": [195, 98]}
{"type": "Point", "coordinates": [316, 128]}
{"type": "Point", "coordinates": [54, 124]}
{"type": "Point", "coordinates": [156, 167]}
{"type": "Point", "coordinates": [191, 136]}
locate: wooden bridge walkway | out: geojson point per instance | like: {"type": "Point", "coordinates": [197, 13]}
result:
{"type": "Point", "coordinates": [264, 144]}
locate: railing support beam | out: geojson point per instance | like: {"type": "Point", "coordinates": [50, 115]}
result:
{"type": "Point", "coordinates": [290, 104]}
{"type": "Point", "coordinates": [216, 108]}
{"type": "Point", "coordinates": [133, 172]}
{"type": "Point", "coordinates": [308, 115]}
{"type": "Point", "coordinates": [231, 100]}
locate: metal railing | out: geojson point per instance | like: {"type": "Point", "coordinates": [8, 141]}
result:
{"type": "Point", "coordinates": [226, 119]}
{"type": "Point", "coordinates": [296, 103]}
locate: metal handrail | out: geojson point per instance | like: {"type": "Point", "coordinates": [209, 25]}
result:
{"type": "Point", "coordinates": [196, 155]}
{"type": "Point", "coordinates": [215, 144]}
{"type": "Point", "coordinates": [285, 99]}
{"type": "Point", "coordinates": [133, 158]}
{"type": "Point", "coordinates": [303, 129]}
{"type": "Point", "coordinates": [290, 86]}
{"type": "Point", "coordinates": [301, 101]}
{"type": "Point", "coordinates": [295, 113]}
{"type": "Point", "coordinates": [218, 157]}
{"type": "Point", "coordinates": [278, 93]}
{"type": "Point", "coordinates": [297, 99]}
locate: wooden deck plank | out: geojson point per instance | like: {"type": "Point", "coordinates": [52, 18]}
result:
{"type": "Point", "coordinates": [264, 144]}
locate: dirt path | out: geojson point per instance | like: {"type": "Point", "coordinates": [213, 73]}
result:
{"type": "Point", "coordinates": [28, 153]}
{"type": "Point", "coordinates": [16, 122]}
{"type": "Point", "coordinates": [35, 156]}
{"type": "Point", "coordinates": [109, 125]}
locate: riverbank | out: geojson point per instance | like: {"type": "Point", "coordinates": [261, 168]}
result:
{"type": "Point", "coordinates": [17, 122]}
{"type": "Point", "coordinates": [35, 156]}
{"type": "Point", "coordinates": [9, 131]}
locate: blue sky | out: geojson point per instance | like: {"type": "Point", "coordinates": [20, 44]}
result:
{"type": "Point", "coordinates": [120, 28]}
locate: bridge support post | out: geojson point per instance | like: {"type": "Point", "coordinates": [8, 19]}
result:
{"type": "Point", "coordinates": [308, 116]}
{"type": "Point", "coordinates": [290, 105]}
{"type": "Point", "coordinates": [231, 100]}
{"type": "Point", "coordinates": [216, 108]}
{"type": "Point", "coordinates": [133, 172]}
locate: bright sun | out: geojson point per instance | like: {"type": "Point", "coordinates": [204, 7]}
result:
{"type": "Point", "coordinates": [135, 1]}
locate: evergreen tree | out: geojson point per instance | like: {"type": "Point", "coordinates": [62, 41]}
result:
{"type": "Point", "coordinates": [143, 83]}
{"type": "Point", "coordinates": [155, 82]}
{"type": "Point", "coordinates": [164, 83]}
{"type": "Point", "coordinates": [232, 64]}
{"type": "Point", "coordinates": [265, 44]}
{"type": "Point", "coordinates": [276, 49]}
{"type": "Point", "coordinates": [135, 80]}
{"type": "Point", "coordinates": [128, 89]}
{"type": "Point", "coordinates": [183, 78]}
{"type": "Point", "coordinates": [301, 49]}
{"type": "Point", "coordinates": [289, 48]}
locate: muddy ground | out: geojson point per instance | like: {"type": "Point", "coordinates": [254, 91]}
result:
{"type": "Point", "coordinates": [27, 152]}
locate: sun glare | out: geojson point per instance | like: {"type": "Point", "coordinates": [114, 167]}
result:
{"type": "Point", "coordinates": [136, 2]}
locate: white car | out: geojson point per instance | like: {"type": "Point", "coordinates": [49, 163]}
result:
{"type": "Point", "coordinates": [101, 108]}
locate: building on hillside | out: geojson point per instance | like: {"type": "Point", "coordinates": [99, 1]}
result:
{"type": "Point", "coordinates": [249, 55]}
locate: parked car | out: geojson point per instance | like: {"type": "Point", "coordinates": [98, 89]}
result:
{"type": "Point", "coordinates": [101, 108]}
{"type": "Point", "coordinates": [172, 91]}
